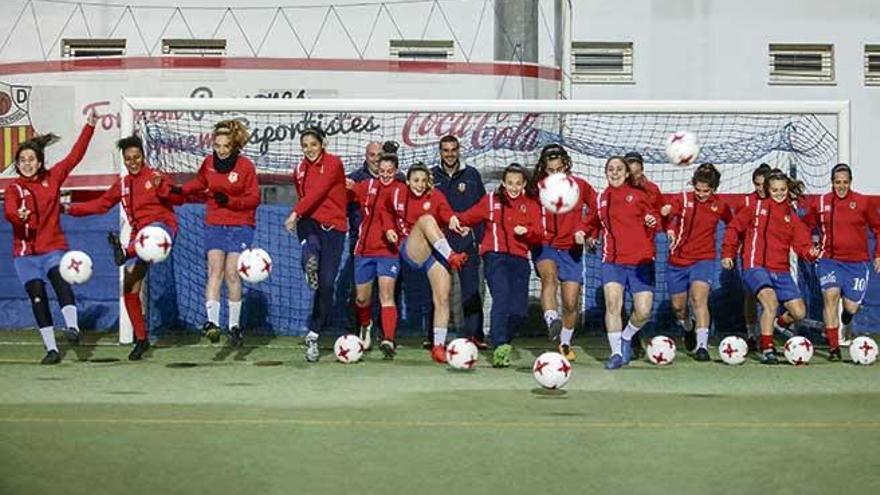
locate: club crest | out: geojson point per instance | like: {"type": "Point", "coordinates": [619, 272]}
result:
{"type": "Point", "coordinates": [461, 187]}
{"type": "Point", "coordinates": [233, 177]}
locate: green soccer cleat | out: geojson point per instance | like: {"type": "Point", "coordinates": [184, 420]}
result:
{"type": "Point", "coordinates": [501, 356]}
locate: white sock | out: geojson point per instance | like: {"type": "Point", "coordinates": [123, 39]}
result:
{"type": "Point", "coordinates": [439, 336]}
{"type": "Point", "coordinates": [312, 335]}
{"type": "Point", "coordinates": [213, 310]}
{"type": "Point", "coordinates": [614, 342]}
{"type": "Point", "coordinates": [565, 336]}
{"type": "Point", "coordinates": [630, 331]}
{"type": "Point", "coordinates": [70, 319]}
{"type": "Point", "coordinates": [442, 246]}
{"type": "Point", "coordinates": [234, 313]}
{"type": "Point", "coordinates": [702, 338]}
{"type": "Point", "coordinates": [48, 335]}
{"type": "Point", "coordinates": [549, 316]}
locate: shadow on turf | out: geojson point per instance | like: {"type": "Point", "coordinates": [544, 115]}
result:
{"type": "Point", "coordinates": [545, 393]}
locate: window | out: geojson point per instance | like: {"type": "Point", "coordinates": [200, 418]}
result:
{"type": "Point", "coordinates": [801, 64]}
{"type": "Point", "coordinates": [92, 47]}
{"type": "Point", "coordinates": [872, 65]}
{"type": "Point", "coordinates": [195, 47]}
{"type": "Point", "coordinates": [422, 49]}
{"type": "Point", "coordinates": [602, 62]}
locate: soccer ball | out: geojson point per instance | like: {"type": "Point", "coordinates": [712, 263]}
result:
{"type": "Point", "coordinates": [558, 193]}
{"type": "Point", "coordinates": [682, 148]}
{"type": "Point", "coordinates": [733, 350]}
{"type": "Point", "coordinates": [661, 350]}
{"type": "Point", "coordinates": [863, 350]}
{"type": "Point", "coordinates": [75, 267]}
{"type": "Point", "coordinates": [348, 349]}
{"type": "Point", "coordinates": [798, 350]}
{"type": "Point", "coordinates": [254, 265]}
{"type": "Point", "coordinates": [462, 354]}
{"type": "Point", "coordinates": [552, 370]}
{"type": "Point", "coordinates": [152, 244]}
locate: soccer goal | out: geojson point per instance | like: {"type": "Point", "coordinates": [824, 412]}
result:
{"type": "Point", "coordinates": [803, 137]}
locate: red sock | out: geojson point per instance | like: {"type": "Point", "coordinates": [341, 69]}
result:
{"type": "Point", "coordinates": [832, 336]}
{"type": "Point", "coordinates": [363, 314]}
{"type": "Point", "coordinates": [389, 321]}
{"type": "Point", "coordinates": [781, 322]}
{"type": "Point", "coordinates": [136, 315]}
{"type": "Point", "coordinates": [766, 342]}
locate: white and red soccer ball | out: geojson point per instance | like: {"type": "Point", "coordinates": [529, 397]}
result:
{"type": "Point", "coordinates": [152, 244]}
{"type": "Point", "coordinates": [75, 267]}
{"type": "Point", "coordinates": [733, 350]}
{"type": "Point", "coordinates": [254, 265]}
{"type": "Point", "coordinates": [559, 193]}
{"type": "Point", "coordinates": [863, 350]}
{"type": "Point", "coordinates": [798, 350]}
{"type": "Point", "coordinates": [462, 354]}
{"type": "Point", "coordinates": [348, 349]}
{"type": "Point", "coordinates": [661, 350]}
{"type": "Point", "coordinates": [682, 148]}
{"type": "Point", "coordinates": [551, 370]}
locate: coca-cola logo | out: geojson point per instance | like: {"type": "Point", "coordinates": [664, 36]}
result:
{"type": "Point", "coordinates": [482, 131]}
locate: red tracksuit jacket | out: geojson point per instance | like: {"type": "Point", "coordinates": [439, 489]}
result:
{"type": "Point", "coordinates": [620, 214]}
{"type": "Point", "coordinates": [405, 208]}
{"type": "Point", "coordinates": [559, 229]}
{"type": "Point", "coordinates": [694, 225]}
{"type": "Point", "coordinates": [370, 195]}
{"type": "Point", "coordinates": [843, 223]}
{"type": "Point", "coordinates": [770, 229]}
{"type": "Point", "coordinates": [321, 190]}
{"type": "Point", "coordinates": [501, 219]}
{"type": "Point", "coordinates": [239, 184]}
{"type": "Point", "coordinates": [142, 201]}
{"type": "Point", "coordinates": [654, 193]}
{"type": "Point", "coordinates": [42, 233]}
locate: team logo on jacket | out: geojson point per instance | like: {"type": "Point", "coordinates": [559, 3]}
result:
{"type": "Point", "coordinates": [461, 187]}
{"type": "Point", "coordinates": [787, 218]}
{"type": "Point", "coordinates": [426, 205]}
{"type": "Point", "coordinates": [233, 177]}
{"type": "Point", "coordinates": [522, 208]}
{"type": "Point", "coordinates": [148, 185]}
{"type": "Point", "coordinates": [714, 208]}
{"type": "Point", "coordinates": [629, 198]}
{"type": "Point", "coordinates": [852, 205]}
{"type": "Point", "coordinates": [45, 183]}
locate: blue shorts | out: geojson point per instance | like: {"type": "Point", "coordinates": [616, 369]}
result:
{"type": "Point", "coordinates": [367, 268]}
{"type": "Point", "coordinates": [228, 238]}
{"type": "Point", "coordinates": [425, 266]}
{"type": "Point", "coordinates": [782, 282]}
{"type": "Point", "coordinates": [131, 253]}
{"type": "Point", "coordinates": [851, 277]}
{"type": "Point", "coordinates": [568, 262]}
{"type": "Point", "coordinates": [635, 278]}
{"type": "Point", "coordinates": [679, 278]}
{"type": "Point", "coordinates": [36, 266]}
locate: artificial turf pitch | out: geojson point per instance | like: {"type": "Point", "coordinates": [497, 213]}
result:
{"type": "Point", "coordinates": [202, 419]}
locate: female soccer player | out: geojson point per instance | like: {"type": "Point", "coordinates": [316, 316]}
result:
{"type": "Point", "coordinates": [628, 220]}
{"type": "Point", "coordinates": [843, 217]}
{"type": "Point", "coordinates": [692, 221]}
{"type": "Point", "coordinates": [513, 224]}
{"type": "Point", "coordinates": [230, 180]}
{"type": "Point", "coordinates": [759, 176]}
{"type": "Point", "coordinates": [770, 228]}
{"type": "Point", "coordinates": [416, 210]}
{"type": "Point", "coordinates": [147, 201]}
{"type": "Point", "coordinates": [319, 220]}
{"type": "Point", "coordinates": [374, 255]}
{"type": "Point", "coordinates": [32, 205]}
{"type": "Point", "coordinates": [558, 258]}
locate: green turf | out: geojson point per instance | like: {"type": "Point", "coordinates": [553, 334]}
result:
{"type": "Point", "coordinates": [227, 425]}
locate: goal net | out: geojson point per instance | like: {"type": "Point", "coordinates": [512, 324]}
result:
{"type": "Point", "coordinates": [805, 138]}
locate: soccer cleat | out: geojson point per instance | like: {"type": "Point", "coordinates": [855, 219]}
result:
{"type": "Point", "coordinates": [554, 328]}
{"type": "Point", "coordinates": [388, 348]}
{"type": "Point", "coordinates": [236, 337]}
{"type": "Point", "coordinates": [312, 272]}
{"type": "Point", "coordinates": [51, 357]}
{"type": "Point", "coordinates": [211, 332]}
{"type": "Point", "coordinates": [785, 332]}
{"type": "Point", "coordinates": [615, 362]}
{"type": "Point", "coordinates": [752, 342]}
{"type": "Point", "coordinates": [72, 335]}
{"type": "Point", "coordinates": [366, 332]}
{"type": "Point", "coordinates": [140, 347]}
{"type": "Point", "coordinates": [118, 253]}
{"type": "Point", "coordinates": [769, 357]}
{"type": "Point", "coordinates": [834, 354]}
{"type": "Point", "coordinates": [457, 261]}
{"type": "Point", "coordinates": [428, 342]}
{"type": "Point", "coordinates": [501, 356]}
{"type": "Point", "coordinates": [690, 340]}
{"type": "Point", "coordinates": [702, 354]}
{"type": "Point", "coordinates": [567, 351]}
{"type": "Point", "coordinates": [312, 353]}
{"type": "Point", "coordinates": [438, 354]}
{"type": "Point", "coordinates": [626, 351]}
{"type": "Point", "coordinates": [481, 344]}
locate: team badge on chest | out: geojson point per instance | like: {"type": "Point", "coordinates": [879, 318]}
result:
{"type": "Point", "coordinates": [714, 207]}
{"type": "Point", "coordinates": [522, 208]}
{"type": "Point", "coordinates": [787, 218]}
{"type": "Point", "coordinates": [629, 198]}
{"type": "Point", "coordinates": [461, 187]}
{"type": "Point", "coordinates": [852, 205]}
{"type": "Point", "coordinates": [426, 205]}
{"type": "Point", "coordinates": [233, 177]}
{"type": "Point", "coordinates": [148, 185]}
